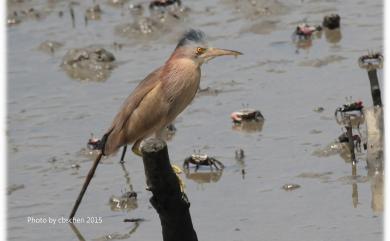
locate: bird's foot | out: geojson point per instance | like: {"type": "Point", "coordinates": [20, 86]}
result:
{"type": "Point", "coordinates": [136, 150]}
{"type": "Point", "coordinates": [176, 169]}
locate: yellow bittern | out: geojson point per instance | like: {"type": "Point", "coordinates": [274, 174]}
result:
{"type": "Point", "coordinates": [158, 99]}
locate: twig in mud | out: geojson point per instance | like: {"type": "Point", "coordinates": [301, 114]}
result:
{"type": "Point", "coordinates": [350, 140]}
{"type": "Point", "coordinates": [71, 11]}
{"type": "Point", "coordinates": [371, 62]}
{"type": "Point", "coordinates": [133, 220]}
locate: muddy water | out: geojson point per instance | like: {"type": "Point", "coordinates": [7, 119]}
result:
{"type": "Point", "coordinates": [50, 118]}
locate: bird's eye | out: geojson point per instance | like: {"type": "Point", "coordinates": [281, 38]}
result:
{"type": "Point", "coordinates": [200, 50]}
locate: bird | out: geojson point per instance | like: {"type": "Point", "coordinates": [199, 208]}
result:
{"type": "Point", "coordinates": [158, 99]}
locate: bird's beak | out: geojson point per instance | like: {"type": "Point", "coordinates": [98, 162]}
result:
{"type": "Point", "coordinates": [215, 52]}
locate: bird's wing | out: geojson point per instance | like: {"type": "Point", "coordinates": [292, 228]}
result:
{"type": "Point", "coordinates": [116, 135]}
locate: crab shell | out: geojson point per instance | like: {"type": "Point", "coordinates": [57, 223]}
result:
{"type": "Point", "coordinates": [371, 61]}
{"type": "Point", "coordinates": [199, 157]}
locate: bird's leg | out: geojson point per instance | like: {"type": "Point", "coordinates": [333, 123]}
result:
{"type": "Point", "coordinates": [136, 148]}
{"type": "Point", "coordinates": [85, 185]}
{"type": "Point", "coordinates": [123, 155]}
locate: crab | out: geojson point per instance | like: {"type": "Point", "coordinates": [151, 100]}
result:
{"type": "Point", "coordinates": [93, 143]}
{"type": "Point", "coordinates": [202, 160]}
{"type": "Point", "coordinates": [305, 31]}
{"type": "Point", "coordinates": [164, 3]}
{"type": "Point", "coordinates": [358, 105]}
{"type": "Point", "coordinates": [246, 115]}
{"type": "Point", "coordinates": [352, 111]}
{"type": "Point", "coordinates": [371, 61]}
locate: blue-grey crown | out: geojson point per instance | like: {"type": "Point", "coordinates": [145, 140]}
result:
{"type": "Point", "coordinates": [192, 36]}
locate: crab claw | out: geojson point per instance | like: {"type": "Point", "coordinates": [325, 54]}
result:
{"type": "Point", "coordinates": [236, 116]}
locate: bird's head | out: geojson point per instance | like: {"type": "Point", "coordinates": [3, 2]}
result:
{"type": "Point", "coordinates": [193, 45]}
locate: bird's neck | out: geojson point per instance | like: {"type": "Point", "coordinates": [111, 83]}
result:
{"type": "Point", "coordinates": [181, 65]}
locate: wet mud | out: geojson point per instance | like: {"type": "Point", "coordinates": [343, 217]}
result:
{"type": "Point", "coordinates": [55, 102]}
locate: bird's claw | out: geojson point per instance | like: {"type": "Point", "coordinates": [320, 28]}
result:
{"type": "Point", "coordinates": [136, 151]}
{"type": "Point", "coordinates": [177, 170]}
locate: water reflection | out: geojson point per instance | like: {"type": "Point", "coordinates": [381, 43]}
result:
{"type": "Point", "coordinates": [355, 119]}
{"type": "Point", "coordinates": [332, 36]}
{"type": "Point", "coordinates": [77, 232]}
{"type": "Point", "coordinates": [355, 194]}
{"type": "Point", "coordinates": [128, 200]}
{"type": "Point", "coordinates": [375, 157]}
{"type": "Point", "coordinates": [203, 177]}
{"type": "Point", "coordinates": [91, 155]}
{"type": "Point", "coordinates": [306, 42]}
{"type": "Point", "coordinates": [249, 126]}
{"type": "Point", "coordinates": [334, 148]}
{"type": "Point", "coordinates": [376, 180]}
{"type": "Point", "coordinates": [239, 156]}
{"type": "Point", "coordinates": [112, 236]}
{"type": "Point", "coordinates": [348, 150]}
{"type": "Point", "coordinates": [119, 236]}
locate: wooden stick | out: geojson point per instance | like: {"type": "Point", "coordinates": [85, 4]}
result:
{"type": "Point", "coordinates": [170, 203]}
{"type": "Point", "coordinates": [85, 185]}
{"type": "Point", "coordinates": [350, 141]}
{"type": "Point", "coordinates": [72, 15]}
{"type": "Point", "coordinates": [375, 89]}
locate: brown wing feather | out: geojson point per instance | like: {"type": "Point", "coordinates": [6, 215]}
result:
{"type": "Point", "coordinates": [116, 136]}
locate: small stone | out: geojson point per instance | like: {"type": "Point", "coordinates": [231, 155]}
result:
{"type": "Point", "coordinates": [331, 21]}
{"type": "Point", "coordinates": [53, 159]}
{"type": "Point", "coordinates": [315, 131]}
{"type": "Point", "coordinates": [76, 166]}
{"type": "Point", "coordinates": [319, 109]}
{"type": "Point", "coordinates": [290, 186]}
